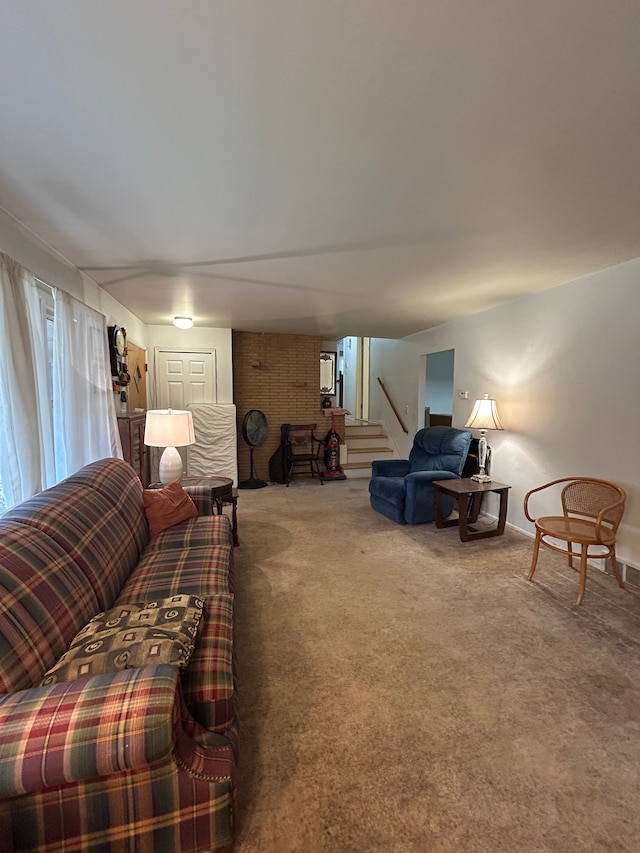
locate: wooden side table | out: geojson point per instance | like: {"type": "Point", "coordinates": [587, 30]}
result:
{"type": "Point", "coordinates": [464, 491]}
{"type": "Point", "coordinates": [222, 492]}
{"type": "Point", "coordinates": [233, 500]}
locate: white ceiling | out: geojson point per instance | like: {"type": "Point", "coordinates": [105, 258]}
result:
{"type": "Point", "coordinates": [363, 167]}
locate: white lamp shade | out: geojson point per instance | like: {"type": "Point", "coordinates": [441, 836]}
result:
{"type": "Point", "coordinates": [168, 428]}
{"type": "Point", "coordinates": [484, 415]}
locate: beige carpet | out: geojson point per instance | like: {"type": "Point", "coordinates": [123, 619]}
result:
{"type": "Point", "coordinates": [403, 691]}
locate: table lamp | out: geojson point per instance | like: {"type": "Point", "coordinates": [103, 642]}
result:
{"type": "Point", "coordinates": [169, 428]}
{"type": "Point", "coordinates": [483, 417]}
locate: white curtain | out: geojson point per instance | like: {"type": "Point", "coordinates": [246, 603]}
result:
{"type": "Point", "coordinates": [38, 298]}
{"type": "Point", "coordinates": [20, 456]}
{"type": "Point", "coordinates": [54, 418]}
{"type": "Point", "coordinates": [85, 426]}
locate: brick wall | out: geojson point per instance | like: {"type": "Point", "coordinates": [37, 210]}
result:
{"type": "Point", "coordinates": [280, 375]}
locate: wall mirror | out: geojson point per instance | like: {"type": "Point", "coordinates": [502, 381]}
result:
{"type": "Point", "coordinates": [328, 372]}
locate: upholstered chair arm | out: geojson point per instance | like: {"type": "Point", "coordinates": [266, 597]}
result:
{"type": "Point", "coordinates": [201, 496]}
{"type": "Point", "coordinates": [390, 468]}
{"type": "Point", "coordinates": [420, 495]}
{"type": "Point", "coordinates": [422, 479]}
{"type": "Point", "coordinates": [81, 730]}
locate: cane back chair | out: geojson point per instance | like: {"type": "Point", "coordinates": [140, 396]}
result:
{"type": "Point", "coordinates": [591, 513]}
{"type": "Point", "coordinates": [304, 452]}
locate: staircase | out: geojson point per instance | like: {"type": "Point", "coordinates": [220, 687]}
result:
{"type": "Point", "coordinates": [365, 441]}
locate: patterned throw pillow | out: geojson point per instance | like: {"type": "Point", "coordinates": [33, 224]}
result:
{"type": "Point", "coordinates": [132, 635]}
{"type": "Point", "coordinates": [165, 507]}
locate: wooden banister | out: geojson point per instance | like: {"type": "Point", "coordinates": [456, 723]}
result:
{"type": "Point", "coordinates": [395, 411]}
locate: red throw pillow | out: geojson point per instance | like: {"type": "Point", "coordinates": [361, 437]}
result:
{"type": "Point", "coordinates": [166, 507]}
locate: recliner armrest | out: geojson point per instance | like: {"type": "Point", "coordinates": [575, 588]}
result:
{"type": "Point", "coordinates": [421, 477]}
{"type": "Point", "coordinates": [390, 468]}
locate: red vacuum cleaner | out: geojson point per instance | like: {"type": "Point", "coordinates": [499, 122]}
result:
{"type": "Point", "coordinates": [332, 454]}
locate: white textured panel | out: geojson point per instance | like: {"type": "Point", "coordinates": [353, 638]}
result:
{"type": "Point", "coordinates": [215, 450]}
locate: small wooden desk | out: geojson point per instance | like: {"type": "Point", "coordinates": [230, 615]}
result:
{"type": "Point", "coordinates": [464, 491]}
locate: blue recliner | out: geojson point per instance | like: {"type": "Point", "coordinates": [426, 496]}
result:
{"type": "Point", "coordinates": [402, 489]}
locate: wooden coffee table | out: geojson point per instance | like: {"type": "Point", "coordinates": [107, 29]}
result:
{"type": "Point", "coordinates": [468, 493]}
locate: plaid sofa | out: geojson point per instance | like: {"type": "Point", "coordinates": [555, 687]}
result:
{"type": "Point", "coordinates": [137, 760]}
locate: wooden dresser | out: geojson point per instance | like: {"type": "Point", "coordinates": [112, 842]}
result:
{"type": "Point", "coordinates": [134, 450]}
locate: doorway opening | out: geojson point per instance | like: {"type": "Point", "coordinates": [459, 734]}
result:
{"type": "Point", "coordinates": [353, 364]}
{"type": "Point", "coordinates": [438, 397]}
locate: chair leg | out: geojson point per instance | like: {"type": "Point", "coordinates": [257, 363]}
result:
{"type": "Point", "coordinates": [614, 566]}
{"type": "Point", "coordinates": [570, 554]}
{"type": "Point", "coordinates": [583, 574]}
{"type": "Point", "coordinates": [536, 551]}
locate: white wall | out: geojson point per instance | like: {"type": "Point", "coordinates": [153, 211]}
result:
{"type": "Point", "coordinates": [199, 338]}
{"type": "Point", "coordinates": [398, 365]}
{"type": "Point", "coordinates": [115, 312]}
{"type": "Point", "coordinates": [24, 247]}
{"type": "Point", "coordinates": [46, 264]}
{"type": "Point", "coordinates": [563, 366]}
{"type": "Point", "coordinates": [349, 347]}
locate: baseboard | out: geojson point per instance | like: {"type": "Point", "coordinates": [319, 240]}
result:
{"type": "Point", "coordinates": [630, 574]}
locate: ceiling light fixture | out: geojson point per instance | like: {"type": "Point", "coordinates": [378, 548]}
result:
{"type": "Point", "coordinates": [183, 322]}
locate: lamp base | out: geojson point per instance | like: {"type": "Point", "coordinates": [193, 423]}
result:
{"type": "Point", "coordinates": [170, 467]}
{"type": "Point", "coordinates": [481, 478]}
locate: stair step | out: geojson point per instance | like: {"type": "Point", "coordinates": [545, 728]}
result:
{"type": "Point", "coordinates": [364, 429]}
{"type": "Point", "coordinates": [354, 435]}
{"type": "Point", "coordinates": [357, 470]}
{"type": "Point", "coordinates": [366, 441]}
{"type": "Point", "coordinates": [371, 442]}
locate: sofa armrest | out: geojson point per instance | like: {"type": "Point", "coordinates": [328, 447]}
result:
{"type": "Point", "coordinates": [80, 730]}
{"type": "Point", "coordinates": [201, 496]}
{"type": "Point", "coordinates": [390, 468]}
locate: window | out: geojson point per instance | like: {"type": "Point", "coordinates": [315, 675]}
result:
{"type": "Point", "coordinates": [56, 400]}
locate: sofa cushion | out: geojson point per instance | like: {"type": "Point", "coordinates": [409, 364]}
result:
{"type": "Point", "coordinates": [166, 507]}
{"type": "Point", "coordinates": [117, 481]}
{"type": "Point", "coordinates": [132, 635]}
{"type": "Point", "coordinates": [208, 683]}
{"type": "Point", "coordinates": [44, 600]}
{"type": "Point", "coordinates": [201, 531]}
{"type": "Point", "coordinates": [90, 526]}
{"type": "Point", "coordinates": [203, 570]}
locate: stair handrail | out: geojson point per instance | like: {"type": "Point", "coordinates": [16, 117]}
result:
{"type": "Point", "coordinates": [390, 401]}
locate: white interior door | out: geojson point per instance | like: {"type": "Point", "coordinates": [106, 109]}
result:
{"type": "Point", "coordinates": [185, 377]}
